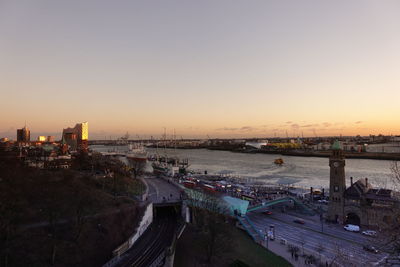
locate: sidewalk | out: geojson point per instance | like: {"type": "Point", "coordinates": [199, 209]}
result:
{"type": "Point", "coordinates": [282, 250]}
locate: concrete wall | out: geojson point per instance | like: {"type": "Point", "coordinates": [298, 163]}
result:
{"type": "Point", "coordinates": [147, 219]}
{"type": "Point", "coordinates": [146, 192]}
{"type": "Point", "coordinates": [145, 222]}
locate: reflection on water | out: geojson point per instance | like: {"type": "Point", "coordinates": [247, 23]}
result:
{"type": "Point", "coordinates": [302, 171]}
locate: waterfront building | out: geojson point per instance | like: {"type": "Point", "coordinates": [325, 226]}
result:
{"type": "Point", "coordinates": [77, 137]}
{"type": "Point", "coordinates": [50, 139]}
{"type": "Point", "coordinates": [23, 135]}
{"type": "Point", "coordinates": [256, 144]}
{"type": "Point", "coordinates": [337, 184]}
{"type": "Point", "coordinates": [360, 203]}
{"type": "Point", "coordinates": [42, 138]}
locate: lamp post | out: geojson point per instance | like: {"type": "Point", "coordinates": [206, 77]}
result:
{"type": "Point", "coordinates": [321, 218]}
{"type": "Point", "coordinates": [266, 237]}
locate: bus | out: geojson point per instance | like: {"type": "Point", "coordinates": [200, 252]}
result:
{"type": "Point", "coordinates": [189, 184]}
{"type": "Point", "coordinates": [208, 187]}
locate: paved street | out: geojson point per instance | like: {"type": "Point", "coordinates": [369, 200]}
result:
{"type": "Point", "coordinates": [333, 238]}
{"type": "Point", "coordinates": [162, 191]}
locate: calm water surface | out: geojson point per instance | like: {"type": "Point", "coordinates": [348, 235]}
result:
{"type": "Point", "coordinates": [301, 171]}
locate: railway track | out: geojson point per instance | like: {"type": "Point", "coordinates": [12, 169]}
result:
{"type": "Point", "coordinates": [152, 243]}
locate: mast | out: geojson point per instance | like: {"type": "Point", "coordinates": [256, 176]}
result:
{"type": "Point", "coordinates": [165, 140]}
{"type": "Point", "coordinates": [174, 142]}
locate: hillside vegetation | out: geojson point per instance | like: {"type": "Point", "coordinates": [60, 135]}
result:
{"type": "Point", "coordinates": [64, 217]}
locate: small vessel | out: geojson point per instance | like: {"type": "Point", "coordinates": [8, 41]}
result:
{"type": "Point", "coordinates": [278, 161]}
{"type": "Point", "coordinates": [160, 168]}
{"type": "Point", "coordinates": [136, 153]}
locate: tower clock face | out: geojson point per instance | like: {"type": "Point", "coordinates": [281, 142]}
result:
{"type": "Point", "coordinates": [336, 164]}
{"type": "Point", "coordinates": [336, 188]}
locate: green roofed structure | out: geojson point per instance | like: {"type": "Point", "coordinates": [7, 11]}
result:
{"type": "Point", "coordinates": [336, 145]}
{"type": "Point", "coordinates": [237, 204]}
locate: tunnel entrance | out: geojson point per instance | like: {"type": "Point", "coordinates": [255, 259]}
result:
{"type": "Point", "coordinates": [352, 218]}
{"type": "Point", "coordinates": [163, 211]}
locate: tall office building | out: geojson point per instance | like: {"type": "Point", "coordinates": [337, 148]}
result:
{"type": "Point", "coordinates": [23, 135]}
{"type": "Point", "coordinates": [77, 137]}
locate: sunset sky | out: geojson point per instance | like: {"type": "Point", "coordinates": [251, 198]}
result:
{"type": "Point", "coordinates": [217, 68]}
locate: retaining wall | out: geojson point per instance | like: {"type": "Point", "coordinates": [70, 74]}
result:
{"type": "Point", "coordinates": [145, 222]}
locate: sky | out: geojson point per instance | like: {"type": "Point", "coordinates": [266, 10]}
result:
{"type": "Point", "coordinates": [204, 68]}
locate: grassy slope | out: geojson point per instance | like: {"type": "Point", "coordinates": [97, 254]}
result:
{"type": "Point", "coordinates": [189, 252]}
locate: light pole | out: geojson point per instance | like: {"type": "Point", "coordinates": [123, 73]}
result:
{"type": "Point", "coordinates": [321, 218]}
{"type": "Point", "coordinates": [266, 237]}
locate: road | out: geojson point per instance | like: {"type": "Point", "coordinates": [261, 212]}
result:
{"type": "Point", "coordinates": [332, 239]}
{"type": "Point", "coordinates": [162, 191]}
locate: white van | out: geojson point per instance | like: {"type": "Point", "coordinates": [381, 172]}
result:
{"type": "Point", "coordinates": [352, 228]}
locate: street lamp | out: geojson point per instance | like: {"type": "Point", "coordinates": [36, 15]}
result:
{"type": "Point", "coordinates": [266, 237]}
{"type": "Point", "coordinates": [321, 218]}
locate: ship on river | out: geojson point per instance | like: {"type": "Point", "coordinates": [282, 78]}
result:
{"type": "Point", "coordinates": [169, 166]}
{"type": "Point", "coordinates": [137, 153]}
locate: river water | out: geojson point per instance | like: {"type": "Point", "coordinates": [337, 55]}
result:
{"type": "Point", "coordinates": [300, 171]}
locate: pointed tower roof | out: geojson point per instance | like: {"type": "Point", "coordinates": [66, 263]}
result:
{"type": "Point", "coordinates": [336, 145]}
{"type": "Point", "coordinates": [63, 142]}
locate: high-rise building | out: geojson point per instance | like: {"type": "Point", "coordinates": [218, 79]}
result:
{"type": "Point", "coordinates": [77, 137]}
{"type": "Point", "coordinates": [23, 135]}
{"type": "Point", "coordinates": [42, 138]}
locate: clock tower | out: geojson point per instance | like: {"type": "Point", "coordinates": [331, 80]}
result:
{"type": "Point", "coordinates": [337, 184]}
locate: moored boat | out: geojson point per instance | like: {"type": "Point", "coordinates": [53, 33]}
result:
{"type": "Point", "coordinates": [137, 153]}
{"type": "Point", "coordinates": [160, 168]}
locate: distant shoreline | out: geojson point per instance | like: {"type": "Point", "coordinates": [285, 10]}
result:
{"type": "Point", "coordinates": [349, 155]}
{"type": "Point", "coordinates": [301, 153]}
{"type": "Point", "coordinates": [297, 153]}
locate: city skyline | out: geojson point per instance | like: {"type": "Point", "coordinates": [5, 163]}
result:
{"type": "Point", "coordinates": [220, 69]}
{"type": "Point", "coordinates": [297, 131]}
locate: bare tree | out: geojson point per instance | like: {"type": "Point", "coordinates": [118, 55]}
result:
{"type": "Point", "coordinates": [217, 239]}
{"type": "Point", "coordinates": [395, 174]}
{"type": "Point", "coordinates": [210, 218]}
{"type": "Point", "coordinates": [137, 167]}
{"type": "Point", "coordinates": [394, 238]}
{"type": "Point", "coordinates": [53, 213]}
{"type": "Point", "coordinates": [302, 242]}
{"type": "Point", "coordinates": [320, 248]}
{"type": "Point", "coordinates": [81, 204]}
{"type": "Point", "coordinates": [8, 219]}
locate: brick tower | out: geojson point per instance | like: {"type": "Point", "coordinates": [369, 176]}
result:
{"type": "Point", "coordinates": [337, 184]}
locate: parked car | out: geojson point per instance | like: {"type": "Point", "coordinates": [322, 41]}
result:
{"type": "Point", "coordinates": [369, 233]}
{"type": "Point", "coordinates": [323, 201]}
{"type": "Point", "coordinates": [370, 248]}
{"type": "Point", "coordinates": [352, 228]}
{"type": "Point", "coordinates": [299, 221]}
{"type": "Point", "coordinates": [268, 212]}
